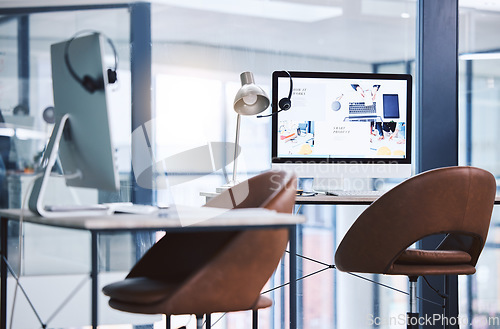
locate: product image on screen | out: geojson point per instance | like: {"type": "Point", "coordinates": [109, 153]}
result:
{"type": "Point", "coordinates": [343, 116]}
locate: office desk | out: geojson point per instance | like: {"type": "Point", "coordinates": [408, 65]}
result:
{"type": "Point", "coordinates": [240, 220]}
{"type": "Point", "coordinates": [321, 199]}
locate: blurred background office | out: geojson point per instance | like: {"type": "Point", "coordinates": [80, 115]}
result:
{"type": "Point", "coordinates": [178, 70]}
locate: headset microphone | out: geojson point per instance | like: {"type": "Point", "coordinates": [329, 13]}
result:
{"type": "Point", "coordinates": [285, 103]}
{"type": "Point", "coordinates": [89, 83]}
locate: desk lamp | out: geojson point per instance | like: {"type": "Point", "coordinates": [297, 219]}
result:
{"type": "Point", "coordinates": [249, 100]}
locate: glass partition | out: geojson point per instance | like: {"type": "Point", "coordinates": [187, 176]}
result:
{"type": "Point", "coordinates": [56, 262]}
{"type": "Point", "coordinates": [479, 101]}
{"type": "Point", "coordinates": [199, 52]}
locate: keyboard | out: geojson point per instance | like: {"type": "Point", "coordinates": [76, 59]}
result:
{"type": "Point", "coordinates": [103, 209]}
{"type": "Point", "coordinates": [363, 118]}
{"type": "Point", "coordinates": [359, 108]}
{"type": "Point", "coordinates": [130, 208]}
{"type": "Point", "coordinates": [355, 193]}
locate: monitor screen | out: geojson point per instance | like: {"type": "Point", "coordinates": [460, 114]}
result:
{"type": "Point", "coordinates": [354, 118]}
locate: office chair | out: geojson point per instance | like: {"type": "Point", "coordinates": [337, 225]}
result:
{"type": "Point", "coordinates": [457, 201]}
{"type": "Point", "coordinates": [213, 271]}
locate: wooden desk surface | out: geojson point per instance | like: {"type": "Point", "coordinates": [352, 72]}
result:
{"type": "Point", "coordinates": [179, 218]}
{"type": "Point", "coordinates": [335, 200]}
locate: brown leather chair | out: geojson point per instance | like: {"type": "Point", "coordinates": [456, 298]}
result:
{"type": "Point", "coordinates": [216, 271]}
{"type": "Point", "coordinates": [457, 201]}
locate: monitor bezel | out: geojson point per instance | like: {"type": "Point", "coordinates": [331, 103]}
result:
{"type": "Point", "coordinates": [339, 75]}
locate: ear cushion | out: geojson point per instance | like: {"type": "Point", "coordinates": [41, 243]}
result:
{"type": "Point", "coordinates": [112, 76]}
{"type": "Point", "coordinates": [285, 104]}
{"type": "Point", "coordinates": [92, 85]}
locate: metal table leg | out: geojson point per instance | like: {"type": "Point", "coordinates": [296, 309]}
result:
{"type": "Point", "coordinates": [93, 276]}
{"type": "Point", "coordinates": [3, 273]}
{"type": "Point", "coordinates": [293, 277]}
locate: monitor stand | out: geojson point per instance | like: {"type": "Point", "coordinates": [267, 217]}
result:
{"type": "Point", "coordinates": [343, 184]}
{"type": "Point", "coordinates": [321, 184]}
{"type": "Point", "coordinates": [38, 192]}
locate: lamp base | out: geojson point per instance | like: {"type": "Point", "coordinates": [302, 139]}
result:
{"type": "Point", "coordinates": [226, 186]}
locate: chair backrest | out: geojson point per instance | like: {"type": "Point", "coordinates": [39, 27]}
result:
{"type": "Point", "coordinates": [258, 191]}
{"type": "Point", "coordinates": [456, 200]}
{"type": "Point", "coordinates": [224, 271]}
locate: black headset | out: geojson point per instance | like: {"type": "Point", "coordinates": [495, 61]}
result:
{"type": "Point", "coordinates": [89, 83]}
{"type": "Point", "coordinates": [285, 103]}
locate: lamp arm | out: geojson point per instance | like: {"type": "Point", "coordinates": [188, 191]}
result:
{"type": "Point", "coordinates": [236, 143]}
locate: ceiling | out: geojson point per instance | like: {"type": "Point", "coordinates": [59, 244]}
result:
{"type": "Point", "coordinates": [364, 31]}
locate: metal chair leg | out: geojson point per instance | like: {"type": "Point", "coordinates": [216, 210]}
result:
{"type": "Point", "coordinates": [168, 324]}
{"type": "Point", "coordinates": [208, 321]}
{"type": "Point", "coordinates": [199, 321]}
{"type": "Point", "coordinates": [412, 315]}
{"type": "Point", "coordinates": [255, 319]}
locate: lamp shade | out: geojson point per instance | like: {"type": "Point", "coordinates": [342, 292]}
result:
{"type": "Point", "coordinates": [250, 99]}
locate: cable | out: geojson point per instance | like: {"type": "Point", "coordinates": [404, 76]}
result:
{"type": "Point", "coordinates": [65, 301]}
{"type": "Point", "coordinates": [442, 295]}
{"type": "Point", "coordinates": [187, 323]}
{"type": "Point", "coordinates": [277, 287]}
{"type": "Point", "coordinates": [298, 279]}
{"type": "Point", "coordinates": [332, 266]}
{"type": "Point", "coordinates": [312, 260]}
{"type": "Point", "coordinates": [76, 174]}
{"type": "Point", "coordinates": [16, 278]}
{"type": "Point", "coordinates": [213, 324]}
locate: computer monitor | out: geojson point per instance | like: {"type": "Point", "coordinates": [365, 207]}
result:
{"type": "Point", "coordinates": [82, 134]}
{"type": "Point", "coordinates": [342, 125]}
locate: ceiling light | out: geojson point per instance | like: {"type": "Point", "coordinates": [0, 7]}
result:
{"type": "Point", "coordinates": [473, 56]}
{"type": "Point", "coordinates": [488, 5]}
{"type": "Point", "coordinates": [279, 10]}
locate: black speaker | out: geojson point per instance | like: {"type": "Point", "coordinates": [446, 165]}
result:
{"type": "Point", "coordinates": [91, 84]}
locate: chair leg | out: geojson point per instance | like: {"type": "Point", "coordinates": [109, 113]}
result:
{"type": "Point", "coordinates": [208, 321]}
{"type": "Point", "coordinates": [412, 315]}
{"type": "Point", "coordinates": [255, 319]}
{"type": "Point", "coordinates": [199, 321]}
{"type": "Point", "coordinates": [168, 324]}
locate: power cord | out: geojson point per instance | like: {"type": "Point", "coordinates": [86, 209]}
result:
{"type": "Point", "coordinates": [440, 294]}
{"type": "Point", "coordinates": [332, 266]}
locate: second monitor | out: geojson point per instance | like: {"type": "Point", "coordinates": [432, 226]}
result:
{"type": "Point", "coordinates": [343, 125]}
